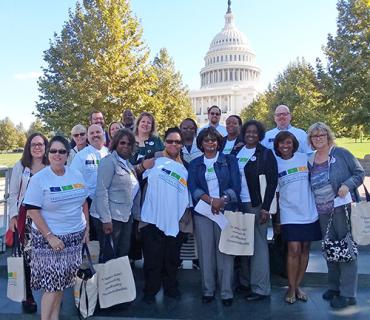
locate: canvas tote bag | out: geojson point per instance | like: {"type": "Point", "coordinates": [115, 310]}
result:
{"type": "Point", "coordinates": [16, 289]}
{"type": "Point", "coordinates": [360, 220]}
{"type": "Point", "coordinates": [86, 287]}
{"type": "Point", "coordinates": [115, 281]}
{"type": "Point", "coordinates": [238, 237]}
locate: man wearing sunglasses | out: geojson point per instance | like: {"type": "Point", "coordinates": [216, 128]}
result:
{"type": "Point", "coordinates": [282, 118]}
{"type": "Point", "coordinates": [214, 117]}
{"type": "Point", "coordinates": [87, 161]}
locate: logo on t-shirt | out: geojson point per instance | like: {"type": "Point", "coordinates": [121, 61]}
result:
{"type": "Point", "coordinates": [88, 162]}
{"type": "Point", "coordinates": [176, 176]}
{"type": "Point", "coordinates": [70, 191]}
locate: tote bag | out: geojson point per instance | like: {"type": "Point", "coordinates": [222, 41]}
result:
{"type": "Point", "coordinates": [115, 281]}
{"type": "Point", "coordinates": [360, 220]}
{"type": "Point", "coordinates": [86, 287]}
{"type": "Point", "coordinates": [238, 237]}
{"type": "Point", "coordinates": [16, 289]}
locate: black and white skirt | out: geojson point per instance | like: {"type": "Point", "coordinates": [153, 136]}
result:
{"type": "Point", "coordinates": [55, 270]}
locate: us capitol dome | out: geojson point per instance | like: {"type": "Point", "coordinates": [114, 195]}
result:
{"type": "Point", "coordinates": [230, 76]}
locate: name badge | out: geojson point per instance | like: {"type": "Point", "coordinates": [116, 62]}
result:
{"type": "Point", "coordinates": [253, 158]}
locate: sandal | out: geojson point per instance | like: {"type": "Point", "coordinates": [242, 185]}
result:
{"type": "Point", "coordinates": [300, 295]}
{"type": "Point", "coordinates": [290, 299]}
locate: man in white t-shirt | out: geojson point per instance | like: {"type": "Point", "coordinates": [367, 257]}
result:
{"type": "Point", "coordinates": [282, 119]}
{"type": "Point", "coordinates": [214, 116]}
{"type": "Point", "coordinates": [87, 161]}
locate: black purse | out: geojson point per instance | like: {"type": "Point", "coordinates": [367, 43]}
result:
{"type": "Point", "coordinates": [343, 250]}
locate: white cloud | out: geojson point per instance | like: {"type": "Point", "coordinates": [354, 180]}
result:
{"type": "Point", "coordinates": [27, 75]}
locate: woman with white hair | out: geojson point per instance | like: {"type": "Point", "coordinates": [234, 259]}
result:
{"type": "Point", "coordinates": [79, 137]}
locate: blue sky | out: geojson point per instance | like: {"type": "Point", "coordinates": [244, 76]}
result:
{"type": "Point", "coordinates": [278, 32]}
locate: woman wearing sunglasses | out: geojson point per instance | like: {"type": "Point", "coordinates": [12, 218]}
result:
{"type": "Point", "coordinates": [33, 160]}
{"type": "Point", "coordinates": [214, 178]}
{"type": "Point", "coordinates": [117, 197]}
{"type": "Point", "coordinates": [166, 199]}
{"type": "Point", "coordinates": [79, 137]}
{"type": "Point", "coordinates": [56, 202]}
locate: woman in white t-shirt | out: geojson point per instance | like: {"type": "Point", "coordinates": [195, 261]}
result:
{"type": "Point", "coordinates": [56, 202]}
{"type": "Point", "coordinates": [299, 222]}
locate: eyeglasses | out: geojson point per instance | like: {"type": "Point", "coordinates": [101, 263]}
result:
{"type": "Point", "coordinates": [124, 143]}
{"type": "Point", "coordinates": [215, 114]}
{"type": "Point", "coordinates": [60, 151]}
{"type": "Point", "coordinates": [37, 145]}
{"type": "Point", "coordinates": [81, 134]}
{"type": "Point", "coordinates": [169, 141]}
{"type": "Point", "coordinates": [319, 136]}
{"type": "Point", "coordinates": [282, 114]}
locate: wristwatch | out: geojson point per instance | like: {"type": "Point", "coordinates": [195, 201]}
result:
{"type": "Point", "coordinates": [225, 197]}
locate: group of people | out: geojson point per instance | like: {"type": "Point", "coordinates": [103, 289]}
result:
{"type": "Point", "coordinates": [125, 184]}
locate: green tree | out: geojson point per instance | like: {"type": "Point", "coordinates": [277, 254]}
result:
{"type": "Point", "coordinates": [98, 61]}
{"type": "Point", "coordinates": [38, 126]}
{"type": "Point", "coordinates": [169, 97]}
{"type": "Point", "coordinates": [8, 135]}
{"type": "Point", "coordinates": [348, 66]}
{"type": "Point", "coordinates": [21, 133]}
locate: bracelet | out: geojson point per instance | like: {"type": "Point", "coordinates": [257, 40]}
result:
{"type": "Point", "coordinates": [48, 234]}
{"type": "Point", "coordinates": [211, 202]}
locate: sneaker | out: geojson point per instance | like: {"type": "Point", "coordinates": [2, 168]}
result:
{"type": "Point", "coordinates": [29, 305]}
{"type": "Point", "coordinates": [340, 302]}
{"type": "Point", "coordinates": [330, 294]}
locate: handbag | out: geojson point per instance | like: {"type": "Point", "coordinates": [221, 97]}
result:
{"type": "Point", "coordinates": [343, 250]}
{"type": "Point", "coordinates": [86, 287]}
{"type": "Point", "coordinates": [238, 237]}
{"type": "Point", "coordinates": [16, 289]}
{"type": "Point", "coordinates": [116, 283]}
{"type": "Point", "coordinates": [360, 220]}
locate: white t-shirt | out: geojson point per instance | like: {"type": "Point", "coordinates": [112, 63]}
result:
{"type": "Point", "coordinates": [167, 195]}
{"type": "Point", "coordinates": [60, 199]}
{"type": "Point", "coordinates": [243, 156]}
{"type": "Point", "coordinates": [86, 161]}
{"type": "Point", "coordinates": [301, 136]}
{"type": "Point", "coordinates": [229, 145]}
{"type": "Point", "coordinates": [296, 200]}
{"type": "Point", "coordinates": [220, 128]}
{"type": "Point", "coordinates": [211, 178]}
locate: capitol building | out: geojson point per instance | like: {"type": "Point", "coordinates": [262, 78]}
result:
{"type": "Point", "coordinates": [230, 76]}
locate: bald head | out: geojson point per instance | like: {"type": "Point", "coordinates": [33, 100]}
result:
{"type": "Point", "coordinates": [282, 117]}
{"type": "Point", "coordinates": [95, 135]}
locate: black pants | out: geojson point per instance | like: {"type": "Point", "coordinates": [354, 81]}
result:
{"type": "Point", "coordinates": [93, 234]}
{"type": "Point", "coordinates": [161, 259]}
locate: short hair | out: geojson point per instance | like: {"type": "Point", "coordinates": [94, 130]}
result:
{"type": "Point", "coordinates": [94, 111]}
{"type": "Point", "coordinates": [78, 128]}
{"type": "Point", "coordinates": [212, 133]}
{"type": "Point", "coordinates": [172, 130]}
{"type": "Point", "coordinates": [214, 106]}
{"type": "Point", "coordinates": [320, 126]}
{"type": "Point", "coordinates": [237, 117]}
{"type": "Point", "coordinates": [153, 131]}
{"type": "Point", "coordinates": [60, 139]}
{"type": "Point", "coordinates": [283, 105]}
{"type": "Point", "coordinates": [260, 129]}
{"type": "Point", "coordinates": [112, 123]}
{"type": "Point", "coordinates": [282, 136]}
{"type": "Point", "coordinates": [26, 159]}
{"type": "Point", "coordinates": [191, 120]}
{"type": "Point", "coordinates": [119, 135]}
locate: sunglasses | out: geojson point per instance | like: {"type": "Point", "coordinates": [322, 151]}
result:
{"type": "Point", "coordinates": [60, 151]}
{"type": "Point", "coordinates": [124, 143]}
{"type": "Point", "coordinates": [169, 141]}
{"type": "Point", "coordinates": [81, 134]}
{"type": "Point", "coordinates": [215, 113]}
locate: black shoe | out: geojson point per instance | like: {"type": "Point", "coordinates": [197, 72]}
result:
{"type": "Point", "coordinates": [255, 297]}
{"type": "Point", "coordinates": [29, 306]}
{"type": "Point", "coordinates": [208, 299]}
{"type": "Point", "coordinates": [173, 293]}
{"type": "Point", "coordinates": [340, 302]}
{"type": "Point", "coordinates": [330, 294]}
{"type": "Point", "coordinates": [149, 299]}
{"type": "Point", "coordinates": [227, 302]}
{"type": "Point", "coordinates": [243, 289]}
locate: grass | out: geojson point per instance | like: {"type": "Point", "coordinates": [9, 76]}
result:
{"type": "Point", "coordinates": [359, 149]}
{"type": "Point", "coordinates": [9, 159]}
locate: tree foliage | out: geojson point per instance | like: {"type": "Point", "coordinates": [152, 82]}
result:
{"type": "Point", "coordinates": [97, 62]}
{"type": "Point", "coordinates": [10, 137]}
{"type": "Point", "coordinates": [348, 66]}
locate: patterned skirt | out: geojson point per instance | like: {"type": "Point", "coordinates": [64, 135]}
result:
{"type": "Point", "coordinates": [55, 270]}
